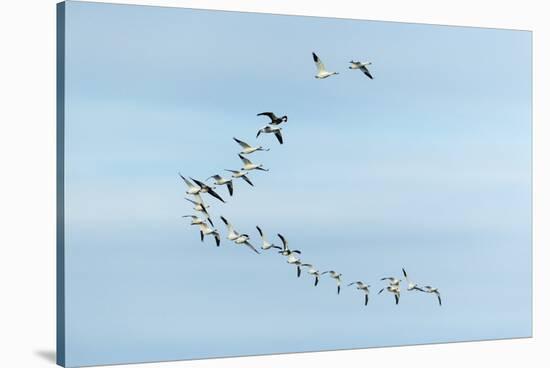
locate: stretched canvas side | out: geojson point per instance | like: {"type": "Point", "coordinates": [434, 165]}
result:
{"type": "Point", "coordinates": [60, 200]}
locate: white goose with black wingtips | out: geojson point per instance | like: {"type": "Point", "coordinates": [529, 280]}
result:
{"type": "Point", "coordinates": [322, 72]}
{"type": "Point", "coordinates": [360, 285]}
{"type": "Point", "coordinates": [206, 230]}
{"type": "Point", "coordinates": [337, 276]}
{"type": "Point", "coordinates": [231, 233]}
{"type": "Point", "coordinates": [249, 165]}
{"type": "Point", "coordinates": [219, 180]}
{"type": "Point", "coordinates": [240, 174]}
{"type": "Point", "coordinates": [277, 130]}
{"type": "Point", "coordinates": [266, 244]}
{"type": "Point", "coordinates": [247, 148]}
{"type": "Point", "coordinates": [362, 67]}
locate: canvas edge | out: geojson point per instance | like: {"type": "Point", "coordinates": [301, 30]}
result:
{"type": "Point", "coordinates": [60, 184]}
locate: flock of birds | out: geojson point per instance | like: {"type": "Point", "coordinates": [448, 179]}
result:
{"type": "Point", "coordinates": [203, 220]}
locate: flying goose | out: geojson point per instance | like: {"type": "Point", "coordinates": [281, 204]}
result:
{"type": "Point", "coordinates": [392, 280]}
{"type": "Point", "coordinates": [249, 166]}
{"type": "Point", "coordinates": [321, 71]}
{"type": "Point", "coordinates": [243, 239]}
{"type": "Point", "coordinates": [206, 189]}
{"type": "Point", "coordinates": [265, 244]}
{"type": "Point", "coordinates": [313, 271]}
{"type": "Point", "coordinates": [219, 180]}
{"type": "Point", "coordinates": [195, 220]}
{"type": "Point", "coordinates": [394, 289]}
{"type": "Point", "coordinates": [231, 233]}
{"type": "Point", "coordinates": [272, 129]}
{"type": "Point", "coordinates": [205, 230]}
{"type": "Point", "coordinates": [411, 285]}
{"type": "Point", "coordinates": [191, 188]}
{"type": "Point", "coordinates": [361, 66]}
{"type": "Point", "coordinates": [335, 275]}
{"type": "Point", "coordinates": [247, 149]}
{"type": "Point", "coordinates": [201, 207]}
{"type": "Point", "coordinates": [286, 251]}
{"type": "Point", "coordinates": [294, 260]}
{"type": "Point", "coordinates": [430, 290]}
{"type": "Point", "coordinates": [275, 120]}
{"type": "Point", "coordinates": [240, 174]}
{"type": "Point", "coordinates": [362, 286]}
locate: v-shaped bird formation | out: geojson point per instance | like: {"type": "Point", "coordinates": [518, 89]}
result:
{"type": "Point", "coordinates": [203, 220]}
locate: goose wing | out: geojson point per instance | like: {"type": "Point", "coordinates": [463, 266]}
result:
{"type": "Point", "coordinates": [318, 63]}
{"type": "Point", "coordinates": [245, 178]}
{"type": "Point", "coordinates": [269, 114]}
{"type": "Point", "coordinates": [192, 201]}
{"type": "Point", "coordinates": [245, 160]}
{"type": "Point", "coordinates": [216, 177]}
{"type": "Point", "coordinates": [189, 184]}
{"type": "Point", "coordinates": [214, 194]}
{"type": "Point", "coordinates": [260, 231]}
{"type": "Point", "coordinates": [405, 274]}
{"type": "Point", "coordinates": [230, 187]}
{"type": "Point", "coordinates": [285, 244]}
{"type": "Point", "coordinates": [200, 184]}
{"type": "Point", "coordinates": [251, 247]}
{"type": "Point", "coordinates": [366, 72]}
{"type": "Point", "coordinates": [279, 136]}
{"type": "Point", "coordinates": [241, 143]}
{"type": "Point", "coordinates": [227, 223]}
{"type": "Point", "coordinates": [198, 199]}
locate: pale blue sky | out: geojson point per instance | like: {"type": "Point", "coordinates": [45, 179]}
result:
{"type": "Point", "coordinates": [427, 167]}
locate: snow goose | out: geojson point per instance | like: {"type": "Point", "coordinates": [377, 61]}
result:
{"type": "Point", "coordinates": [200, 206]}
{"type": "Point", "coordinates": [219, 180]}
{"type": "Point", "coordinates": [272, 129]}
{"type": "Point", "coordinates": [191, 188]}
{"type": "Point", "coordinates": [391, 280]}
{"type": "Point", "coordinates": [265, 244]}
{"type": "Point", "coordinates": [294, 260]}
{"type": "Point", "coordinates": [206, 230]}
{"type": "Point", "coordinates": [243, 239]}
{"type": "Point", "coordinates": [206, 189]}
{"type": "Point", "coordinates": [335, 275]}
{"type": "Point", "coordinates": [361, 66]}
{"type": "Point", "coordinates": [240, 174]}
{"type": "Point", "coordinates": [275, 120]}
{"type": "Point", "coordinates": [321, 71]}
{"type": "Point", "coordinates": [195, 220]}
{"type": "Point", "coordinates": [312, 271]}
{"type": "Point", "coordinates": [286, 251]}
{"type": "Point", "coordinates": [362, 286]}
{"type": "Point", "coordinates": [248, 149]}
{"type": "Point", "coordinates": [249, 166]}
{"type": "Point", "coordinates": [231, 233]}
{"type": "Point", "coordinates": [394, 289]}
{"type": "Point", "coordinates": [430, 290]}
{"type": "Point", "coordinates": [410, 285]}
